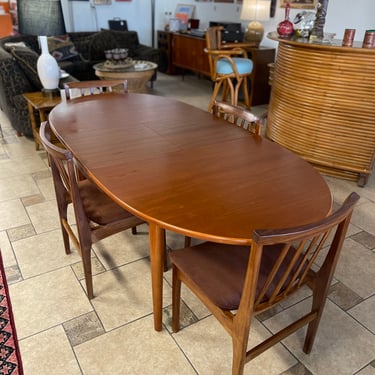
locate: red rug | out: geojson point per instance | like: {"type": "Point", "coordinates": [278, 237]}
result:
{"type": "Point", "coordinates": [10, 358]}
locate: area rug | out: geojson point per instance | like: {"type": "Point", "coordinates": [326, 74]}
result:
{"type": "Point", "coordinates": [10, 358]}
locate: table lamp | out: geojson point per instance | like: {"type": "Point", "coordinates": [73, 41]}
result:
{"type": "Point", "coordinates": [255, 10]}
{"type": "Point", "coordinates": [43, 18]}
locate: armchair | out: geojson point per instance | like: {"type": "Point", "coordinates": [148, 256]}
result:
{"type": "Point", "coordinates": [229, 67]}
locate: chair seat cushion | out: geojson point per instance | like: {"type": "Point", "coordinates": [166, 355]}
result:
{"type": "Point", "coordinates": [219, 270]}
{"type": "Point", "coordinates": [99, 207]}
{"type": "Point", "coordinates": [244, 66]}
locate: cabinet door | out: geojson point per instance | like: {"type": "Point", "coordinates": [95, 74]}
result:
{"type": "Point", "coordinates": [188, 53]}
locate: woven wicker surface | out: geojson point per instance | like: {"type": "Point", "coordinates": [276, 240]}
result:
{"type": "Point", "coordinates": [323, 107]}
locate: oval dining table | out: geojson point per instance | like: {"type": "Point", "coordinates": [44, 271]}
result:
{"type": "Point", "coordinates": [182, 169]}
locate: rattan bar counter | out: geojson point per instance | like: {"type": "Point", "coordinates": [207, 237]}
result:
{"type": "Point", "coordinates": [322, 105]}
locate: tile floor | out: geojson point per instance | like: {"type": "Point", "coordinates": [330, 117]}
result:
{"type": "Point", "coordinates": [61, 332]}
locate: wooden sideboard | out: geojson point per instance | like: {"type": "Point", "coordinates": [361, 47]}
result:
{"type": "Point", "coordinates": [186, 52]}
{"type": "Point", "coordinates": [322, 106]}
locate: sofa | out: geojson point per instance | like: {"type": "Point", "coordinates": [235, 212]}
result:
{"type": "Point", "coordinates": [75, 52]}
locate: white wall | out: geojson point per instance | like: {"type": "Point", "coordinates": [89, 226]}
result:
{"type": "Point", "coordinates": [82, 16]}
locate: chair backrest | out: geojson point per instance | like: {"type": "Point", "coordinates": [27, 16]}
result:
{"type": "Point", "coordinates": [239, 116]}
{"type": "Point", "coordinates": [288, 256]}
{"type": "Point", "coordinates": [95, 87]}
{"type": "Point", "coordinates": [213, 43]}
{"type": "Point", "coordinates": [65, 175]}
{"type": "Point", "coordinates": [213, 37]}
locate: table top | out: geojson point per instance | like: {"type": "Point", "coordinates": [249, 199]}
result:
{"type": "Point", "coordinates": [184, 169]}
{"type": "Point", "coordinates": [135, 66]}
{"type": "Point", "coordinates": [39, 101]}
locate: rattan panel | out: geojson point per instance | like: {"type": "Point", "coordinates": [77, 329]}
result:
{"type": "Point", "coordinates": [323, 107]}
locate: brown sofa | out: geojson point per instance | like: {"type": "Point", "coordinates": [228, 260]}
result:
{"type": "Point", "coordinates": [75, 52]}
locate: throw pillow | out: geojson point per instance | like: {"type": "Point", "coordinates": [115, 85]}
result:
{"type": "Point", "coordinates": [27, 59]}
{"type": "Point", "coordinates": [100, 42]}
{"type": "Point", "coordinates": [125, 39]}
{"type": "Point", "coordinates": [62, 48]}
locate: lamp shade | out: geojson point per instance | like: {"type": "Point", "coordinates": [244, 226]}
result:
{"type": "Point", "coordinates": [43, 18]}
{"type": "Point", "coordinates": [40, 17]}
{"type": "Point", "coordinates": [255, 10]}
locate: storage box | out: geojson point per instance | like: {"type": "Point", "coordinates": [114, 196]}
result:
{"type": "Point", "coordinates": [232, 32]}
{"type": "Point", "coordinates": [118, 24]}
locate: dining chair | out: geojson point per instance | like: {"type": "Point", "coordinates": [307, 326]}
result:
{"type": "Point", "coordinates": [229, 68]}
{"type": "Point", "coordinates": [239, 116]}
{"type": "Point", "coordinates": [236, 282]}
{"type": "Point", "coordinates": [95, 87]}
{"type": "Point", "coordinates": [96, 215]}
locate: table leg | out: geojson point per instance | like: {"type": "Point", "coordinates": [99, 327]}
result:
{"type": "Point", "coordinates": [157, 248]}
{"type": "Point", "coordinates": [33, 124]}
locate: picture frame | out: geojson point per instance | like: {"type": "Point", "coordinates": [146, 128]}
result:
{"type": "Point", "coordinates": [300, 4]}
{"type": "Point", "coordinates": [183, 13]}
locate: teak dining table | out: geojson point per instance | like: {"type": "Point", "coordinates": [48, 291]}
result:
{"type": "Point", "coordinates": [182, 169]}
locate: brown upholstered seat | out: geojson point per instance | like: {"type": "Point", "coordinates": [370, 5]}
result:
{"type": "Point", "coordinates": [97, 216]}
{"type": "Point", "coordinates": [235, 282]}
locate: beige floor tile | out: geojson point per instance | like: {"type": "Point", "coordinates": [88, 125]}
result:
{"type": "Point", "coordinates": [43, 253]}
{"type": "Point", "coordinates": [17, 187]}
{"type": "Point", "coordinates": [342, 346]}
{"type": "Point", "coordinates": [122, 248]}
{"type": "Point", "coordinates": [9, 168]}
{"type": "Point", "coordinates": [46, 187]}
{"type": "Point", "coordinates": [208, 347]}
{"type": "Point", "coordinates": [47, 353]}
{"type": "Point", "coordinates": [141, 350]}
{"type": "Point", "coordinates": [355, 268]}
{"type": "Point", "coordinates": [44, 216]}
{"type": "Point", "coordinates": [125, 294]}
{"type": "Point", "coordinates": [22, 149]}
{"type": "Point", "coordinates": [368, 370]}
{"type": "Point", "coordinates": [13, 214]}
{"type": "Point", "coordinates": [364, 312]}
{"type": "Point", "coordinates": [47, 300]}
{"type": "Point", "coordinates": [364, 217]}
{"type": "Point", "coordinates": [6, 250]}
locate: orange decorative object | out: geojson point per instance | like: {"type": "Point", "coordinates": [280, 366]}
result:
{"type": "Point", "coordinates": [6, 26]}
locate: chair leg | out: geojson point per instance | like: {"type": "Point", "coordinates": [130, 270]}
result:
{"type": "Point", "coordinates": [246, 93]}
{"type": "Point", "coordinates": [319, 299]}
{"type": "Point", "coordinates": [214, 94]}
{"type": "Point", "coordinates": [187, 241]}
{"type": "Point", "coordinates": [239, 343]}
{"type": "Point", "coordinates": [134, 230]}
{"type": "Point", "coordinates": [176, 300]}
{"type": "Point", "coordinates": [251, 78]}
{"type": "Point", "coordinates": [86, 262]}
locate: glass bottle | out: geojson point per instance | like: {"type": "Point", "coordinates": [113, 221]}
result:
{"type": "Point", "coordinates": [285, 28]}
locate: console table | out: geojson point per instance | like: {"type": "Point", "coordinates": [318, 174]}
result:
{"type": "Point", "coordinates": [185, 51]}
{"type": "Point", "coordinates": [322, 105]}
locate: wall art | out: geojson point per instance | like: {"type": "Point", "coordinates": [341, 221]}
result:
{"type": "Point", "coordinates": [301, 4]}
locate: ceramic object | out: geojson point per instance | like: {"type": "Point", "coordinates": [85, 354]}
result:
{"type": "Point", "coordinates": [48, 70]}
{"type": "Point", "coordinates": [285, 28]}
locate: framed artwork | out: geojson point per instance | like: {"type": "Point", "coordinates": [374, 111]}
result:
{"type": "Point", "coordinates": [183, 13]}
{"type": "Point", "coordinates": [302, 4]}
{"type": "Point", "coordinates": [102, 2]}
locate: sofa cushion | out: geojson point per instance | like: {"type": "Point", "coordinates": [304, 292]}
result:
{"type": "Point", "coordinates": [27, 59]}
{"type": "Point", "coordinates": [62, 48]}
{"type": "Point", "coordinates": [100, 42]}
{"type": "Point", "coordinates": [125, 39]}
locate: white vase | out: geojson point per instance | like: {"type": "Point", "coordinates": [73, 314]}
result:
{"type": "Point", "coordinates": [48, 70]}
